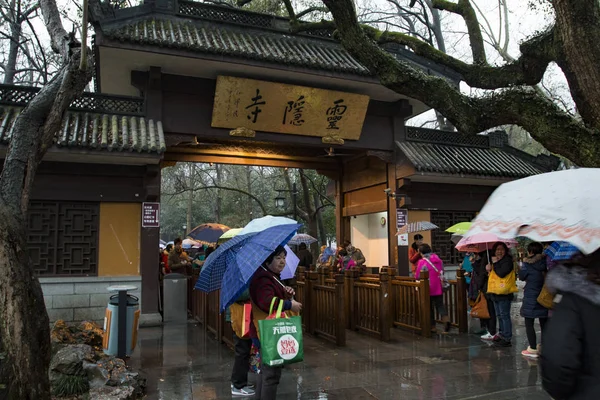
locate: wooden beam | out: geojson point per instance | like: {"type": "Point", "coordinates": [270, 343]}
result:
{"type": "Point", "coordinates": [366, 208]}
{"type": "Point", "coordinates": [248, 160]}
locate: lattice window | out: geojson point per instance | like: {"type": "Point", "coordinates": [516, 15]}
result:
{"type": "Point", "coordinates": [62, 238]}
{"type": "Point", "coordinates": [216, 13]}
{"type": "Point", "coordinates": [441, 243]}
{"type": "Point", "coordinates": [443, 137]}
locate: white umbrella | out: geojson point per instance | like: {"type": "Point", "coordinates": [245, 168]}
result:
{"type": "Point", "coordinates": [260, 224]}
{"type": "Point", "coordinates": [556, 206]}
{"type": "Point", "coordinates": [302, 238]}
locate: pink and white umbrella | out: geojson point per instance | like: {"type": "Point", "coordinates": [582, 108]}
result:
{"type": "Point", "coordinates": [481, 242]}
{"type": "Point", "coordinates": [556, 206]}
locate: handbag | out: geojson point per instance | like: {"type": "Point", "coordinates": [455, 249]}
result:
{"type": "Point", "coordinates": [480, 308]}
{"type": "Point", "coordinates": [502, 286]}
{"type": "Point", "coordinates": [280, 338]}
{"type": "Point", "coordinates": [241, 319]}
{"type": "Point", "coordinates": [443, 280]}
{"type": "Point", "coordinates": [546, 298]}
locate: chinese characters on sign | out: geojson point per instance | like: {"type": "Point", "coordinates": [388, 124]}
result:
{"type": "Point", "coordinates": [276, 107]}
{"type": "Point", "coordinates": [335, 113]}
{"type": "Point", "coordinates": [150, 215]}
{"type": "Point", "coordinates": [295, 108]}
{"type": "Point", "coordinates": [253, 116]}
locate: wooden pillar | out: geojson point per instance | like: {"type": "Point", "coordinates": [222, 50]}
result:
{"type": "Point", "coordinates": [149, 237]}
{"type": "Point", "coordinates": [350, 276]}
{"type": "Point", "coordinates": [425, 303]}
{"type": "Point", "coordinates": [391, 216]}
{"type": "Point", "coordinates": [461, 301]}
{"type": "Point", "coordinates": [384, 307]}
{"type": "Point", "coordinates": [339, 210]}
{"type": "Point", "coordinates": [340, 315]}
{"type": "Point", "coordinates": [311, 298]}
{"type": "Point", "coordinates": [323, 274]}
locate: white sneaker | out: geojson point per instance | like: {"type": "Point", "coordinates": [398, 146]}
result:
{"type": "Point", "coordinates": [245, 391]}
{"type": "Point", "coordinates": [487, 336]}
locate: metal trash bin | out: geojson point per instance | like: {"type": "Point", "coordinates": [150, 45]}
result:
{"type": "Point", "coordinates": [110, 341]}
{"type": "Point", "coordinates": [175, 298]}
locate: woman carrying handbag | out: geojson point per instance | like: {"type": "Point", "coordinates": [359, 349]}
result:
{"type": "Point", "coordinates": [432, 263]}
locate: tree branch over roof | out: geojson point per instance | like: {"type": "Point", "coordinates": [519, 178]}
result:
{"type": "Point", "coordinates": [520, 106]}
{"type": "Point", "coordinates": [466, 11]}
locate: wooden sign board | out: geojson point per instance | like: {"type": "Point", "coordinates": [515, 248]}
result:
{"type": "Point", "coordinates": [297, 110]}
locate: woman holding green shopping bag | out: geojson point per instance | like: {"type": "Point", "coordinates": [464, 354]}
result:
{"type": "Point", "coordinates": [265, 286]}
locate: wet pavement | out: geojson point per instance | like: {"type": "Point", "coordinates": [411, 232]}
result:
{"type": "Point", "coordinates": [182, 362]}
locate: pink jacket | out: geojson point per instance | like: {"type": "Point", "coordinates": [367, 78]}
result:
{"type": "Point", "coordinates": [435, 282]}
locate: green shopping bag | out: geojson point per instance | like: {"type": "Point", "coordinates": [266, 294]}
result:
{"type": "Point", "coordinates": [280, 338]}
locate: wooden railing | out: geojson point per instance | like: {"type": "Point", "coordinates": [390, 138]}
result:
{"type": "Point", "coordinates": [455, 300]}
{"type": "Point", "coordinates": [411, 304]}
{"type": "Point", "coordinates": [371, 304]}
{"type": "Point", "coordinates": [368, 308]}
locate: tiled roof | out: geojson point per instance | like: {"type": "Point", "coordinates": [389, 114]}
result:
{"type": "Point", "coordinates": [461, 160]}
{"type": "Point", "coordinates": [96, 131]}
{"type": "Point", "coordinates": [247, 42]}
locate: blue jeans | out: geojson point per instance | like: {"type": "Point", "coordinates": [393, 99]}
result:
{"type": "Point", "coordinates": [502, 308]}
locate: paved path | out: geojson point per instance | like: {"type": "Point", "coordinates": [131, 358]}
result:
{"type": "Point", "coordinates": [183, 363]}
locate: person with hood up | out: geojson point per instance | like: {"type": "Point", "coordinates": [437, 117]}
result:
{"type": "Point", "coordinates": [533, 272]}
{"type": "Point", "coordinates": [571, 363]}
{"type": "Point", "coordinates": [433, 264]}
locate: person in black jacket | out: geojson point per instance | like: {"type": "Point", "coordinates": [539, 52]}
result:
{"type": "Point", "coordinates": [502, 264]}
{"type": "Point", "coordinates": [533, 273]}
{"type": "Point", "coordinates": [571, 362]}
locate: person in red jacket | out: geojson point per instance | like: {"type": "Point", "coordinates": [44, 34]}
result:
{"type": "Point", "coordinates": [413, 253]}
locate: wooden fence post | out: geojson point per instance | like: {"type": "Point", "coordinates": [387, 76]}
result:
{"type": "Point", "coordinates": [384, 307]}
{"type": "Point", "coordinates": [312, 281]}
{"type": "Point", "coordinates": [301, 273]}
{"type": "Point", "coordinates": [461, 301]}
{"type": "Point", "coordinates": [350, 276]}
{"type": "Point", "coordinates": [425, 303]}
{"type": "Point", "coordinates": [323, 274]}
{"type": "Point", "coordinates": [340, 314]}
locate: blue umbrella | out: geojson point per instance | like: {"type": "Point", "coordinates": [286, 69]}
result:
{"type": "Point", "coordinates": [243, 263]}
{"type": "Point", "coordinates": [558, 251]}
{"type": "Point", "coordinates": [232, 265]}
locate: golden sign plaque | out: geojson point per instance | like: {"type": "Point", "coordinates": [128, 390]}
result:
{"type": "Point", "coordinates": [297, 110]}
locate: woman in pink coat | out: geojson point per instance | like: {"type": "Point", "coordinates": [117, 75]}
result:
{"type": "Point", "coordinates": [433, 264]}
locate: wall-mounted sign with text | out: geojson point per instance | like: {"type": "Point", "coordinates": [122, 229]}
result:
{"type": "Point", "coordinates": [401, 220]}
{"type": "Point", "coordinates": [281, 108]}
{"type": "Point", "coordinates": [150, 215]}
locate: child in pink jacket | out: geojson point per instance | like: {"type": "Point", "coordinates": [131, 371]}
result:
{"type": "Point", "coordinates": [433, 264]}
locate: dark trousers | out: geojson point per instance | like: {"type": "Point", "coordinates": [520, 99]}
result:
{"type": "Point", "coordinates": [503, 313]}
{"type": "Point", "coordinates": [241, 364]}
{"type": "Point", "coordinates": [490, 324]}
{"type": "Point", "coordinates": [267, 382]}
{"type": "Point", "coordinates": [437, 303]}
{"type": "Point", "coordinates": [530, 330]}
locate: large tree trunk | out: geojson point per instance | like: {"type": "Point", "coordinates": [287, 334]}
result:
{"type": "Point", "coordinates": [310, 213]}
{"type": "Point", "coordinates": [578, 30]}
{"type": "Point", "coordinates": [24, 323]}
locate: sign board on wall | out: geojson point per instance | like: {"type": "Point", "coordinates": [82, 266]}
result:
{"type": "Point", "coordinates": [281, 108]}
{"type": "Point", "coordinates": [150, 215]}
{"type": "Point", "coordinates": [401, 220]}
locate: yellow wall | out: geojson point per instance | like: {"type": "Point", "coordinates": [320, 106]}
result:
{"type": "Point", "coordinates": [416, 216]}
{"type": "Point", "coordinates": [119, 243]}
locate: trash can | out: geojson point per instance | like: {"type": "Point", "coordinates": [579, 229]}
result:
{"type": "Point", "coordinates": [175, 298]}
{"type": "Point", "coordinates": [110, 340]}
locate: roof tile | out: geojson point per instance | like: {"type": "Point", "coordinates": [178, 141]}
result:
{"type": "Point", "coordinates": [95, 131]}
{"type": "Point", "coordinates": [236, 41]}
{"type": "Point", "coordinates": [461, 160]}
